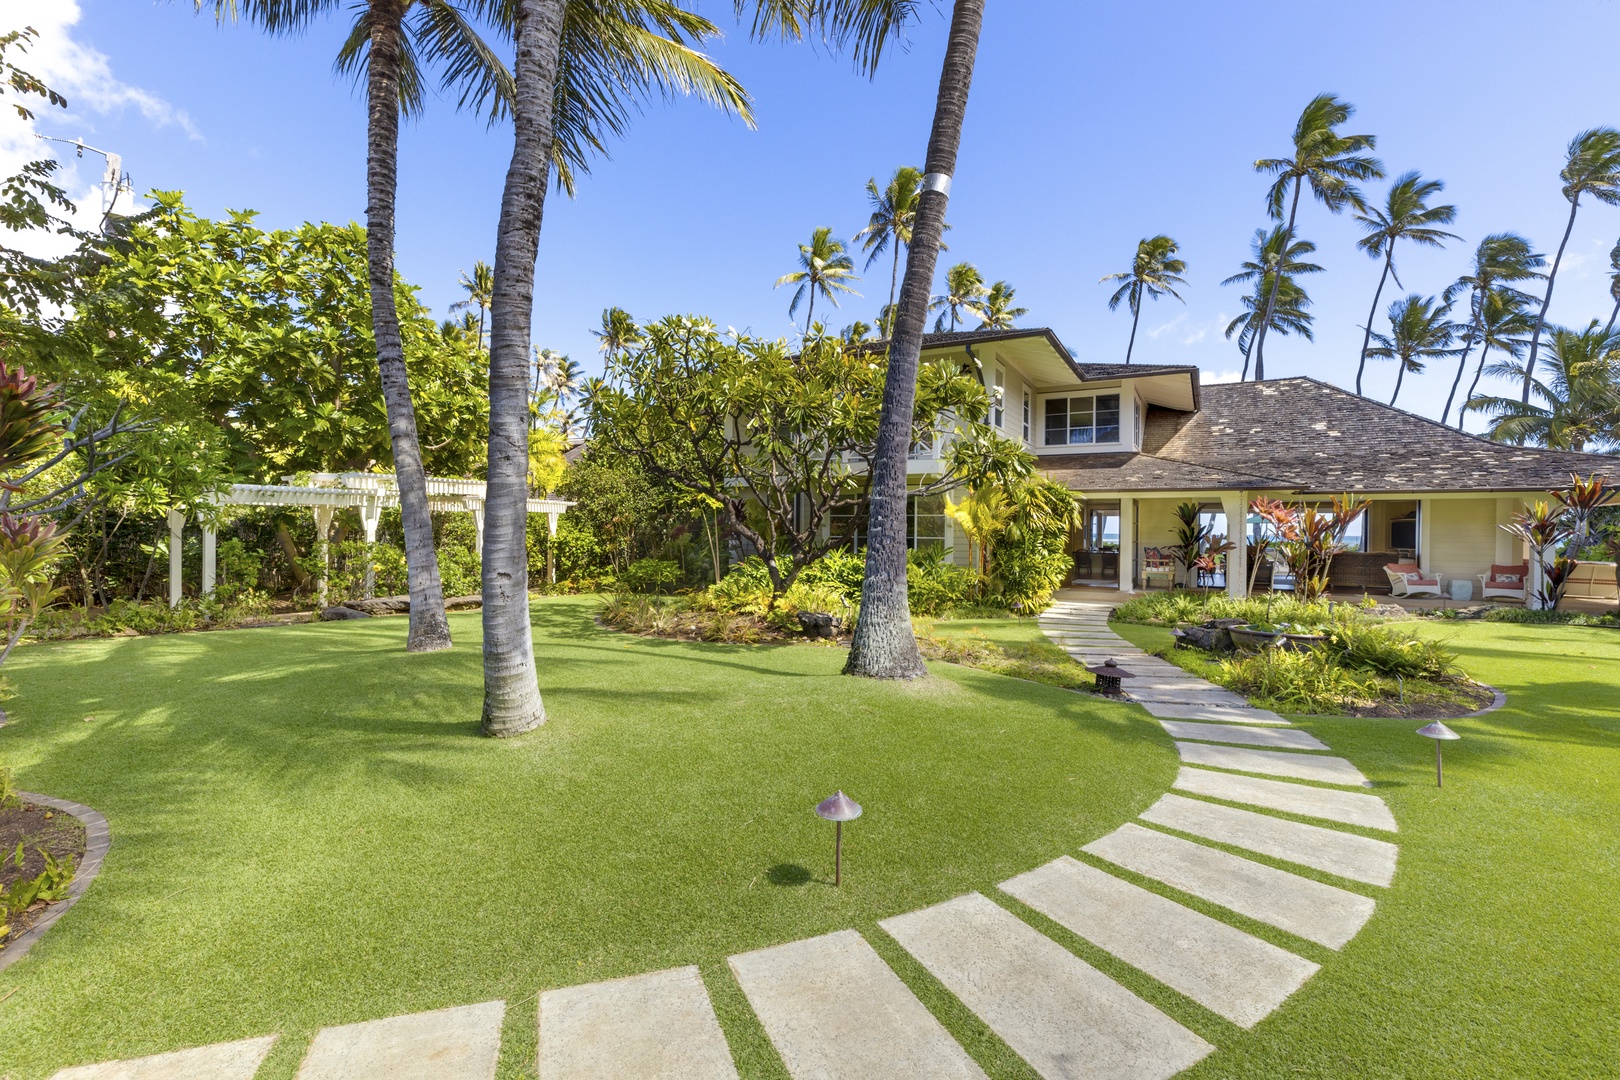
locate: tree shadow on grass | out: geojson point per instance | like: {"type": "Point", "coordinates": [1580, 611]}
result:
{"type": "Point", "coordinates": [788, 874]}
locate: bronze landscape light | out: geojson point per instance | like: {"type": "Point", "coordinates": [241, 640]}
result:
{"type": "Point", "coordinates": [839, 808]}
{"type": "Point", "coordinates": [1439, 733]}
{"type": "Point", "coordinates": [1109, 674]}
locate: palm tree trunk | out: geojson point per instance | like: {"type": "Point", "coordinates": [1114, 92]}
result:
{"type": "Point", "coordinates": [511, 690]}
{"type": "Point", "coordinates": [1610, 326]}
{"type": "Point", "coordinates": [1462, 406]}
{"type": "Point", "coordinates": [884, 646]}
{"type": "Point", "coordinates": [1366, 336]}
{"type": "Point", "coordinates": [429, 629]}
{"type": "Point", "coordinates": [1136, 317]}
{"type": "Point", "coordinates": [1400, 373]}
{"type": "Point", "coordinates": [1546, 302]}
{"type": "Point", "coordinates": [1474, 334]}
{"type": "Point", "coordinates": [809, 311]}
{"type": "Point", "coordinates": [1245, 376]}
{"type": "Point", "coordinates": [1276, 282]}
{"type": "Point", "coordinates": [894, 281]}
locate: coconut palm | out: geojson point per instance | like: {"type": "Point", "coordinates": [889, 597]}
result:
{"type": "Point", "coordinates": [997, 310]}
{"type": "Point", "coordinates": [1419, 329]}
{"type": "Point", "coordinates": [825, 268]}
{"type": "Point", "coordinates": [479, 288]}
{"type": "Point", "coordinates": [619, 332]}
{"type": "Point", "coordinates": [964, 292]}
{"type": "Point", "coordinates": [1614, 285]}
{"type": "Point", "coordinates": [1405, 215]}
{"type": "Point", "coordinates": [1272, 250]}
{"type": "Point", "coordinates": [1155, 272]}
{"type": "Point", "coordinates": [1330, 163]}
{"type": "Point", "coordinates": [1505, 323]}
{"type": "Point", "coordinates": [389, 45]}
{"type": "Point", "coordinates": [889, 228]}
{"type": "Point", "coordinates": [1288, 315]}
{"type": "Point", "coordinates": [1500, 260]}
{"type": "Point", "coordinates": [1580, 401]}
{"type": "Point", "coordinates": [1591, 168]}
{"type": "Point", "coordinates": [884, 645]}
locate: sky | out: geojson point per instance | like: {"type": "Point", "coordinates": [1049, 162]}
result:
{"type": "Point", "coordinates": [1089, 127]}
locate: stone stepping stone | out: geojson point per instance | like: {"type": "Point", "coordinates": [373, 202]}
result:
{"type": "Point", "coordinates": [1220, 714]}
{"type": "Point", "coordinates": [834, 1011]}
{"type": "Point", "coordinates": [1229, 972]}
{"type": "Point", "coordinates": [1316, 912]}
{"type": "Point", "coordinates": [1349, 807]}
{"type": "Point", "coordinates": [1192, 695]}
{"type": "Point", "coordinates": [461, 1043]}
{"type": "Point", "coordinates": [1329, 770]}
{"type": "Point", "coordinates": [1359, 858]}
{"type": "Point", "coordinates": [658, 1026]}
{"type": "Point", "coordinates": [1291, 739]}
{"type": "Point", "coordinates": [222, 1061]}
{"type": "Point", "coordinates": [1064, 1017]}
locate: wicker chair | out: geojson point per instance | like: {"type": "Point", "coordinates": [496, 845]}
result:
{"type": "Point", "coordinates": [1406, 579]}
{"type": "Point", "coordinates": [1505, 581]}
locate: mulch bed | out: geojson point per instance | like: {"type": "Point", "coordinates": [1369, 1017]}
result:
{"type": "Point", "coordinates": [36, 827]}
{"type": "Point", "coordinates": [1468, 697]}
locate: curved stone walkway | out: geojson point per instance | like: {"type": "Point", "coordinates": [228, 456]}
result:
{"type": "Point", "coordinates": [834, 1009]}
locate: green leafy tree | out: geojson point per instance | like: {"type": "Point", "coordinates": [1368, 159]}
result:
{"type": "Point", "coordinates": [1419, 330]}
{"type": "Point", "coordinates": [1495, 305]}
{"type": "Point", "coordinates": [1405, 215]}
{"type": "Point", "coordinates": [1591, 167]}
{"type": "Point", "coordinates": [1154, 272]}
{"type": "Point", "coordinates": [1580, 401]}
{"type": "Point", "coordinates": [1330, 164]}
{"type": "Point", "coordinates": [825, 269]}
{"type": "Point", "coordinates": [965, 293]}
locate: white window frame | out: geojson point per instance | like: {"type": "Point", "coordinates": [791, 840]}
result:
{"type": "Point", "coordinates": [998, 400]}
{"type": "Point", "coordinates": [1067, 400]}
{"type": "Point", "coordinates": [1029, 416]}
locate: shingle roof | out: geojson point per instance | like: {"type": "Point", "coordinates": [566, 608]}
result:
{"type": "Point", "coordinates": [1307, 436]}
{"type": "Point", "coordinates": [1142, 472]}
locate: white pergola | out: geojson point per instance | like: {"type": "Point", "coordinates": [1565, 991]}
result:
{"type": "Point", "coordinates": [325, 494]}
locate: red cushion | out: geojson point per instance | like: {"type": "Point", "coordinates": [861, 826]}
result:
{"type": "Point", "coordinates": [1403, 568]}
{"type": "Point", "coordinates": [1520, 571]}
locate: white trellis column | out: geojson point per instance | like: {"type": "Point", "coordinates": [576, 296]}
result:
{"type": "Point", "coordinates": [1127, 544]}
{"type": "Point", "coordinates": [1236, 506]}
{"type": "Point", "coordinates": [478, 527]}
{"type": "Point", "coordinates": [370, 517]}
{"type": "Point", "coordinates": [551, 548]}
{"type": "Point", "coordinates": [323, 529]}
{"type": "Point", "coordinates": [210, 541]}
{"type": "Point", "coordinates": [177, 529]}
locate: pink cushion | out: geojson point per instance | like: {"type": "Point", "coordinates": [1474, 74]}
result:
{"type": "Point", "coordinates": [1419, 579]}
{"type": "Point", "coordinates": [1403, 568]}
{"type": "Point", "coordinates": [1510, 573]}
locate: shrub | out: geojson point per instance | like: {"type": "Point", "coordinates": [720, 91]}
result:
{"type": "Point", "coordinates": [1031, 568]}
{"type": "Point", "coordinates": [1180, 606]}
{"type": "Point", "coordinates": [935, 586]}
{"type": "Point", "coordinates": [1380, 649]}
{"type": "Point", "coordinates": [1306, 681]}
{"type": "Point", "coordinates": [842, 568]}
{"type": "Point", "coordinates": [650, 575]}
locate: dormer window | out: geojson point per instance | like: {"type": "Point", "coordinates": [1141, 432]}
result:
{"type": "Point", "coordinates": [1082, 421]}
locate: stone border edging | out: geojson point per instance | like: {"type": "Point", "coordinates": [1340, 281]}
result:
{"type": "Point", "coordinates": [97, 839]}
{"type": "Point", "coordinates": [1498, 699]}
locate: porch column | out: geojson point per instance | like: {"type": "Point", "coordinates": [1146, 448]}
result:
{"type": "Point", "coordinates": [1236, 506]}
{"type": "Point", "coordinates": [370, 516]}
{"type": "Point", "coordinates": [478, 527]}
{"type": "Point", "coordinates": [1425, 534]}
{"type": "Point", "coordinates": [323, 529]}
{"type": "Point", "coordinates": [1127, 544]}
{"type": "Point", "coordinates": [1509, 548]}
{"type": "Point", "coordinates": [177, 527]}
{"type": "Point", "coordinates": [551, 548]}
{"type": "Point", "coordinates": [209, 538]}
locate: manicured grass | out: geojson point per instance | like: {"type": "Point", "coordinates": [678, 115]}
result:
{"type": "Point", "coordinates": [308, 831]}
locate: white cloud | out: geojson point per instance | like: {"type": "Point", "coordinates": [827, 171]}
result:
{"type": "Point", "coordinates": [1233, 375]}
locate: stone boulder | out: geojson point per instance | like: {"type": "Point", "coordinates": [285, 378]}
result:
{"type": "Point", "coordinates": [819, 624]}
{"type": "Point", "coordinates": [339, 612]}
{"type": "Point", "coordinates": [1208, 638]}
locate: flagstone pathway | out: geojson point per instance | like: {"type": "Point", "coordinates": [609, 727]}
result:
{"type": "Point", "coordinates": [834, 1010]}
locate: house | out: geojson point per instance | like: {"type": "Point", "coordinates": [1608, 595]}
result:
{"type": "Point", "coordinates": [1135, 441]}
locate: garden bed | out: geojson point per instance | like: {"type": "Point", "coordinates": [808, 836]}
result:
{"type": "Point", "coordinates": [35, 831]}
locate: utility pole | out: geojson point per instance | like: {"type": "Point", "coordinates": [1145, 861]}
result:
{"type": "Point", "coordinates": [114, 180]}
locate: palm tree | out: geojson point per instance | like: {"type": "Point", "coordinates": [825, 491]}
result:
{"type": "Point", "coordinates": [1614, 285]}
{"type": "Point", "coordinates": [964, 292]}
{"type": "Point", "coordinates": [479, 288]}
{"type": "Point", "coordinates": [1155, 272]}
{"type": "Point", "coordinates": [982, 515]}
{"type": "Point", "coordinates": [388, 44]}
{"type": "Point", "coordinates": [1592, 167]}
{"type": "Point", "coordinates": [1329, 163]}
{"type": "Point", "coordinates": [825, 268]}
{"type": "Point", "coordinates": [893, 211]}
{"type": "Point", "coordinates": [1288, 315]}
{"type": "Point", "coordinates": [884, 646]}
{"type": "Point", "coordinates": [1505, 322]}
{"type": "Point", "coordinates": [1406, 215]}
{"type": "Point", "coordinates": [1419, 329]}
{"type": "Point", "coordinates": [996, 311]}
{"type": "Point", "coordinates": [1581, 400]}
{"type": "Point", "coordinates": [1500, 260]}
{"type": "Point", "coordinates": [1270, 252]}
{"type": "Point", "coordinates": [619, 332]}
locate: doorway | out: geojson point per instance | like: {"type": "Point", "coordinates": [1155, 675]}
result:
{"type": "Point", "coordinates": [1096, 555]}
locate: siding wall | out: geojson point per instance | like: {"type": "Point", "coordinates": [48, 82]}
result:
{"type": "Point", "coordinates": [1462, 536]}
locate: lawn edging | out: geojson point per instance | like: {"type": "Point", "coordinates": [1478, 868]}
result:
{"type": "Point", "coordinates": [97, 839]}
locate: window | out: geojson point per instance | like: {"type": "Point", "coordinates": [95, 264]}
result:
{"type": "Point", "coordinates": [925, 523]}
{"type": "Point", "coordinates": [998, 401]}
{"type": "Point", "coordinates": [1081, 421]}
{"type": "Point", "coordinates": [1136, 428]}
{"type": "Point", "coordinates": [1029, 411]}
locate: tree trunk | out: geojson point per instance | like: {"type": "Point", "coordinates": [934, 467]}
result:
{"type": "Point", "coordinates": [512, 702]}
{"type": "Point", "coordinates": [1276, 282]}
{"type": "Point", "coordinates": [1245, 376]}
{"type": "Point", "coordinates": [894, 283]}
{"type": "Point", "coordinates": [884, 646]}
{"type": "Point", "coordinates": [1462, 406]}
{"type": "Point", "coordinates": [1610, 327]}
{"type": "Point", "coordinates": [1546, 302]}
{"type": "Point", "coordinates": [429, 629]}
{"type": "Point", "coordinates": [1400, 373]}
{"type": "Point", "coordinates": [1475, 332]}
{"type": "Point", "coordinates": [1366, 336]}
{"type": "Point", "coordinates": [1136, 317]}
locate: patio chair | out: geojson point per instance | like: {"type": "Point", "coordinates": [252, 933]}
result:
{"type": "Point", "coordinates": [1504, 581]}
{"type": "Point", "coordinates": [1406, 579]}
{"type": "Point", "coordinates": [1156, 563]}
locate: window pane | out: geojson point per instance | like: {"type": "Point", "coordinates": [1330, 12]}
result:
{"type": "Point", "coordinates": [925, 521]}
{"type": "Point", "coordinates": [1057, 421]}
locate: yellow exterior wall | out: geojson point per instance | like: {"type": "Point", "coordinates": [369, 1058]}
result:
{"type": "Point", "coordinates": [1462, 536]}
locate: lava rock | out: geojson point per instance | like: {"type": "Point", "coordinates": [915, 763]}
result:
{"type": "Point", "coordinates": [1208, 638]}
{"type": "Point", "coordinates": [819, 624]}
{"type": "Point", "coordinates": [338, 612]}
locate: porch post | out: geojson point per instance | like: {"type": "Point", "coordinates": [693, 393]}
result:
{"type": "Point", "coordinates": [209, 539]}
{"type": "Point", "coordinates": [478, 527]}
{"type": "Point", "coordinates": [551, 548]}
{"type": "Point", "coordinates": [177, 526]}
{"type": "Point", "coordinates": [370, 517]}
{"type": "Point", "coordinates": [323, 529]}
{"type": "Point", "coordinates": [1236, 506]}
{"type": "Point", "coordinates": [1425, 533]}
{"type": "Point", "coordinates": [1127, 544]}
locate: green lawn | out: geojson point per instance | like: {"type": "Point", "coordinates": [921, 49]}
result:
{"type": "Point", "coordinates": [307, 829]}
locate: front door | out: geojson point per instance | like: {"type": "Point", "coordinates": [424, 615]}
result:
{"type": "Point", "coordinates": [1097, 560]}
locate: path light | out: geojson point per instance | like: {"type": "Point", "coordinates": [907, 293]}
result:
{"type": "Point", "coordinates": [1439, 733]}
{"type": "Point", "coordinates": [1108, 675]}
{"type": "Point", "coordinates": [839, 808]}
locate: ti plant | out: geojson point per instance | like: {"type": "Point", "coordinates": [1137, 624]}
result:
{"type": "Point", "coordinates": [1556, 531]}
{"type": "Point", "coordinates": [1309, 538]}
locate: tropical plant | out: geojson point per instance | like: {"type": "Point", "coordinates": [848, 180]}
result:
{"type": "Point", "coordinates": [1272, 252]}
{"type": "Point", "coordinates": [894, 209]}
{"type": "Point", "coordinates": [965, 292]}
{"type": "Point", "coordinates": [1154, 272]}
{"type": "Point", "coordinates": [1614, 286]}
{"type": "Point", "coordinates": [619, 332]}
{"type": "Point", "coordinates": [884, 645]}
{"type": "Point", "coordinates": [998, 310]}
{"type": "Point", "coordinates": [1405, 215]}
{"type": "Point", "coordinates": [1331, 164]}
{"type": "Point", "coordinates": [1591, 167]}
{"type": "Point", "coordinates": [981, 515]}
{"type": "Point", "coordinates": [1309, 538]}
{"type": "Point", "coordinates": [1192, 534]}
{"type": "Point", "coordinates": [825, 268]}
{"type": "Point", "coordinates": [1543, 527]}
{"type": "Point", "coordinates": [1580, 400]}
{"type": "Point", "coordinates": [1420, 330]}
{"type": "Point", "coordinates": [1495, 306]}
{"type": "Point", "coordinates": [479, 287]}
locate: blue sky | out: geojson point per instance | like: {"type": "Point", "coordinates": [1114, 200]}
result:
{"type": "Point", "coordinates": [1089, 127]}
